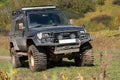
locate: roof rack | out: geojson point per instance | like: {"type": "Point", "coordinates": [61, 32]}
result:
{"type": "Point", "coordinates": [38, 7]}
{"type": "Point", "coordinates": [24, 9]}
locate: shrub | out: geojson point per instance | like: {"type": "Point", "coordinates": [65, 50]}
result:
{"type": "Point", "coordinates": [101, 2]}
{"type": "Point", "coordinates": [117, 22]}
{"type": "Point", "coordinates": [116, 2]}
{"type": "Point", "coordinates": [91, 26]}
{"type": "Point", "coordinates": [104, 19]}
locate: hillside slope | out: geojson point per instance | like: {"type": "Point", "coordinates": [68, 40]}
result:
{"type": "Point", "coordinates": [105, 17]}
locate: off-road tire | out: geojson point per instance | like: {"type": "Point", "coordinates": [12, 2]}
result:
{"type": "Point", "coordinates": [85, 59]}
{"type": "Point", "coordinates": [15, 59]}
{"type": "Point", "coordinates": [37, 59]}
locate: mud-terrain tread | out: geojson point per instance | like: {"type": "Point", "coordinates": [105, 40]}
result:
{"type": "Point", "coordinates": [86, 59]}
{"type": "Point", "coordinates": [40, 59]}
{"type": "Point", "coordinates": [17, 63]}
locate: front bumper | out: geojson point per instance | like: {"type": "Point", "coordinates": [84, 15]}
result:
{"type": "Point", "coordinates": [66, 48]}
{"type": "Point", "coordinates": [81, 39]}
{"type": "Point", "coordinates": [39, 43]}
{"type": "Point", "coordinates": [65, 45]}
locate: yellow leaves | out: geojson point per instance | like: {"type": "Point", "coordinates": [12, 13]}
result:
{"type": "Point", "coordinates": [14, 71]}
{"type": "Point", "coordinates": [80, 77]}
{"type": "Point", "coordinates": [64, 76]}
{"type": "Point", "coordinates": [117, 22]}
{"type": "Point", "coordinates": [7, 75]}
{"type": "Point", "coordinates": [45, 76]}
{"type": "Point", "coordinates": [4, 75]}
{"type": "Point", "coordinates": [112, 33]}
{"type": "Point", "coordinates": [4, 42]}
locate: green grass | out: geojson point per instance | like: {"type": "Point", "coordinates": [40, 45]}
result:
{"type": "Point", "coordinates": [5, 64]}
{"type": "Point", "coordinates": [3, 2]}
{"type": "Point", "coordinates": [110, 33]}
{"type": "Point", "coordinates": [4, 52]}
{"type": "Point", "coordinates": [58, 72]}
{"type": "Point", "coordinates": [68, 71]}
{"type": "Point", "coordinates": [114, 70]}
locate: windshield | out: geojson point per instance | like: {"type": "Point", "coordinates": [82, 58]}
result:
{"type": "Point", "coordinates": [47, 19]}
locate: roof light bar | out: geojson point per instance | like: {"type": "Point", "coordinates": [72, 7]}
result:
{"type": "Point", "coordinates": [36, 8]}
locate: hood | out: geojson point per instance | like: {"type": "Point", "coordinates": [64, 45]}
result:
{"type": "Point", "coordinates": [54, 29]}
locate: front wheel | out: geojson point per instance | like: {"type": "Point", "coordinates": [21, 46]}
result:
{"type": "Point", "coordinates": [37, 60]}
{"type": "Point", "coordinates": [85, 59]}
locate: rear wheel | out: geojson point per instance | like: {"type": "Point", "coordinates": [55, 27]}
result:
{"type": "Point", "coordinates": [15, 59]}
{"type": "Point", "coordinates": [37, 59]}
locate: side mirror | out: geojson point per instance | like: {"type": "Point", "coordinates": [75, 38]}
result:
{"type": "Point", "coordinates": [21, 26]}
{"type": "Point", "coordinates": [71, 21]}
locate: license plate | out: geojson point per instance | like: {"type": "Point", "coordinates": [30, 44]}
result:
{"type": "Point", "coordinates": [67, 41]}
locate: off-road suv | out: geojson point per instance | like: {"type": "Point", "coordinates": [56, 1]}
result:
{"type": "Point", "coordinates": [43, 34]}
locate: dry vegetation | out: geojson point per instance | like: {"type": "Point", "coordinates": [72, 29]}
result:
{"type": "Point", "coordinates": [106, 16]}
{"type": "Point", "coordinates": [4, 42]}
{"type": "Point", "coordinates": [106, 39]}
{"type": "Point", "coordinates": [4, 75]}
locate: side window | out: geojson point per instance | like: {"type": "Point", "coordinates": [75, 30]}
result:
{"type": "Point", "coordinates": [20, 25]}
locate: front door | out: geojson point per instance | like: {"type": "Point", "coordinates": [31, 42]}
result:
{"type": "Point", "coordinates": [19, 34]}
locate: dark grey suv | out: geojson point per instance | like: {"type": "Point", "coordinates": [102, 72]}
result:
{"type": "Point", "coordinates": [43, 34]}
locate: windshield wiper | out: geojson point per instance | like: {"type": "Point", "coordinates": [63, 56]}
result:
{"type": "Point", "coordinates": [40, 25]}
{"type": "Point", "coordinates": [54, 24]}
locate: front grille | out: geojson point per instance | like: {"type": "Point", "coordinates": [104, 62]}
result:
{"type": "Point", "coordinates": [55, 37]}
{"type": "Point", "coordinates": [66, 35]}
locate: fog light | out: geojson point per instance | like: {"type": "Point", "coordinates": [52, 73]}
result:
{"type": "Point", "coordinates": [72, 36]}
{"type": "Point", "coordinates": [45, 35]}
{"type": "Point", "coordinates": [60, 37]}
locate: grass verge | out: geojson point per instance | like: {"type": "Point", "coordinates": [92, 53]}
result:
{"type": "Point", "coordinates": [68, 71]}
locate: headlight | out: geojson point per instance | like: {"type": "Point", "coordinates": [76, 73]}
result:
{"type": "Point", "coordinates": [82, 31]}
{"type": "Point", "coordinates": [42, 35]}
{"type": "Point", "coordinates": [85, 30]}
{"type": "Point", "coordinates": [45, 35]}
{"type": "Point", "coordinates": [72, 36]}
{"type": "Point", "coordinates": [39, 35]}
{"type": "Point", "coordinates": [60, 37]}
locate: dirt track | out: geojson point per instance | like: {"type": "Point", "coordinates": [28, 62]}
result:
{"type": "Point", "coordinates": [5, 57]}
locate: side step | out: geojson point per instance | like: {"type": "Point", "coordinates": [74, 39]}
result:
{"type": "Point", "coordinates": [22, 53]}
